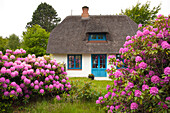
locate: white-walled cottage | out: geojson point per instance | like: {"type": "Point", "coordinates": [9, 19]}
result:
{"type": "Point", "coordinates": [84, 42]}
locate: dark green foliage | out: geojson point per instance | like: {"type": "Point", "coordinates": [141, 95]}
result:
{"type": "Point", "coordinates": [35, 40]}
{"type": "Point", "coordinates": [13, 42]}
{"type": "Point", "coordinates": [3, 43]}
{"type": "Point", "coordinates": [45, 16]}
{"type": "Point", "coordinates": [141, 14]}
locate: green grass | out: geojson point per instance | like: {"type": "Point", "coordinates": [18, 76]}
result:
{"type": "Point", "coordinates": [45, 105]}
{"type": "Point", "coordinates": [99, 85]}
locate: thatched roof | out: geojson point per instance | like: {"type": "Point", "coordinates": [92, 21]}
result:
{"type": "Point", "coordinates": [71, 35]}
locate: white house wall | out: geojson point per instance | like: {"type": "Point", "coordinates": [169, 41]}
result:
{"type": "Point", "coordinates": [86, 65]}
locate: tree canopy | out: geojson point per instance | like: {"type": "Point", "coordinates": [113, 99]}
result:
{"type": "Point", "coordinates": [13, 42]}
{"type": "Point", "coordinates": [141, 14]}
{"type": "Point", "coordinates": [45, 16]}
{"type": "Point", "coordinates": [3, 42]}
{"type": "Point", "coordinates": [35, 40]}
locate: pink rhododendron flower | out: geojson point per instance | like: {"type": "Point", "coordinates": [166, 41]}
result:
{"type": "Point", "coordinates": [7, 81]}
{"type": "Point", "coordinates": [128, 37]}
{"type": "Point", "coordinates": [27, 96]}
{"type": "Point", "coordinates": [36, 87]}
{"type": "Point", "coordinates": [142, 65]}
{"type": "Point", "coordinates": [138, 93]}
{"type": "Point", "coordinates": [12, 92]}
{"type": "Point", "coordinates": [22, 85]}
{"type": "Point", "coordinates": [151, 73]}
{"type": "Point", "coordinates": [165, 45]}
{"type": "Point", "coordinates": [2, 79]}
{"type": "Point", "coordinates": [140, 25]}
{"type": "Point", "coordinates": [138, 59]}
{"type": "Point", "coordinates": [112, 107]}
{"type": "Point", "coordinates": [5, 57]}
{"type": "Point", "coordinates": [144, 87]}
{"type": "Point", "coordinates": [4, 85]}
{"type": "Point", "coordinates": [51, 86]}
{"type": "Point", "coordinates": [41, 91]}
{"type": "Point", "coordinates": [134, 106]}
{"type": "Point", "coordinates": [63, 81]}
{"type": "Point", "coordinates": [101, 98]}
{"type": "Point", "coordinates": [97, 101]}
{"type": "Point", "coordinates": [106, 96]}
{"type": "Point", "coordinates": [118, 74]}
{"type": "Point", "coordinates": [19, 90]}
{"type": "Point", "coordinates": [36, 82]}
{"type": "Point", "coordinates": [165, 106]}
{"type": "Point", "coordinates": [6, 93]}
{"type": "Point", "coordinates": [12, 57]}
{"type": "Point", "coordinates": [107, 87]}
{"type": "Point", "coordinates": [139, 33]}
{"type": "Point", "coordinates": [58, 97]}
{"type": "Point", "coordinates": [32, 84]}
{"type": "Point", "coordinates": [154, 90]}
{"type": "Point", "coordinates": [3, 70]}
{"type": "Point", "coordinates": [155, 79]}
{"type": "Point", "coordinates": [130, 84]}
{"type": "Point", "coordinates": [146, 32]}
{"type": "Point", "coordinates": [117, 107]}
{"type": "Point", "coordinates": [167, 98]}
{"type": "Point", "coordinates": [167, 71]}
{"type": "Point", "coordinates": [46, 79]}
{"type": "Point", "coordinates": [62, 68]}
{"type": "Point", "coordinates": [13, 84]}
{"type": "Point", "coordinates": [123, 93]}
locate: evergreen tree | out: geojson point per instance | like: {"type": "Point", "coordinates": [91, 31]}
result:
{"type": "Point", "coordinates": [45, 16]}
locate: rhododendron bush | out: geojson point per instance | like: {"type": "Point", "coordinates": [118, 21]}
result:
{"type": "Point", "coordinates": [22, 78]}
{"type": "Point", "coordinates": [143, 85]}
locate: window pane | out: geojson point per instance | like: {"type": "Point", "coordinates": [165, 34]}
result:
{"type": "Point", "coordinates": [101, 37]}
{"type": "Point", "coordinates": [78, 61]}
{"type": "Point", "coordinates": [104, 66]}
{"type": "Point", "coordinates": [93, 36]}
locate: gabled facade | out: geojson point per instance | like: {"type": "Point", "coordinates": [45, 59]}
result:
{"type": "Point", "coordinates": [84, 42]}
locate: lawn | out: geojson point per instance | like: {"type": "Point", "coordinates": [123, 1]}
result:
{"type": "Point", "coordinates": [51, 105]}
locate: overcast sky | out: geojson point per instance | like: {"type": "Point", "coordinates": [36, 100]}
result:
{"type": "Point", "coordinates": [14, 14]}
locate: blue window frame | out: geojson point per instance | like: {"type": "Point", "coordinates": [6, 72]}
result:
{"type": "Point", "coordinates": [97, 37]}
{"type": "Point", "coordinates": [74, 61]}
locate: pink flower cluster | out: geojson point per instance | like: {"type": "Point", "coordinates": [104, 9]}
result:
{"type": "Point", "coordinates": [154, 90]}
{"type": "Point", "coordinates": [134, 106]}
{"type": "Point", "coordinates": [167, 71]}
{"type": "Point", "coordinates": [155, 79]}
{"type": "Point", "coordinates": [118, 74]}
{"type": "Point", "coordinates": [138, 59]}
{"type": "Point", "coordinates": [21, 77]}
{"type": "Point", "coordinates": [142, 65]}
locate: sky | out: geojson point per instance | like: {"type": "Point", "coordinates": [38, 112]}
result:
{"type": "Point", "coordinates": [15, 14]}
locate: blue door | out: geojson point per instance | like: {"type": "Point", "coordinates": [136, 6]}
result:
{"type": "Point", "coordinates": [99, 63]}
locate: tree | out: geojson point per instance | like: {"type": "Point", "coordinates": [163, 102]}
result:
{"type": "Point", "coordinates": [45, 16]}
{"type": "Point", "coordinates": [3, 43]}
{"type": "Point", "coordinates": [35, 40]}
{"type": "Point", "coordinates": [13, 42]}
{"type": "Point", "coordinates": [141, 14]}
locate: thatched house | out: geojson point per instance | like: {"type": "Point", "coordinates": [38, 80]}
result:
{"type": "Point", "coordinates": [84, 42]}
